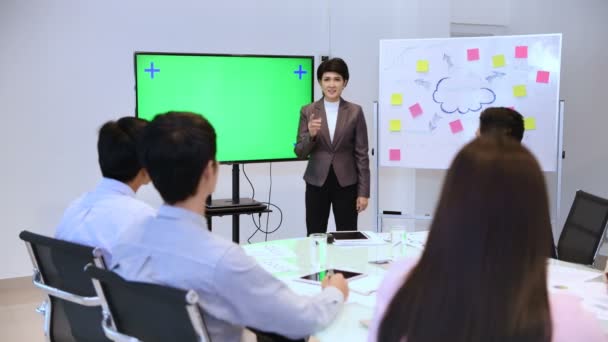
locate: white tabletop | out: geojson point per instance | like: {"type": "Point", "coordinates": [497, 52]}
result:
{"type": "Point", "coordinates": [290, 259]}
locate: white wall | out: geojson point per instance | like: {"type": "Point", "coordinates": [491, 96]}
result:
{"type": "Point", "coordinates": [584, 69]}
{"type": "Point", "coordinates": [481, 12]}
{"type": "Point", "coordinates": [66, 67]}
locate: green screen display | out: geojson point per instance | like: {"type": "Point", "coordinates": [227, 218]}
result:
{"type": "Point", "coordinates": [253, 102]}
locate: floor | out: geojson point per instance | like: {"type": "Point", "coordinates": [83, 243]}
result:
{"type": "Point", "coordinates": [18, 319]}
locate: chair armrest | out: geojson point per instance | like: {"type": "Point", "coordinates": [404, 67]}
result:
{"type": "Point", "coordinates": [70, 297]}
{"type": "Point", "coordinates": [112, 333]}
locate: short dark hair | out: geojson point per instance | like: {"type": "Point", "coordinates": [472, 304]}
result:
{"type": "Point", "coordinates": [502, 120]}
{"type": "Point", "coordinates": [175, 150]}
{"type": "Point", "coordinates": [337, 65]}
{"type": "Point", "coordinates": [486, 254]}
{"type": "Point", "coordinates": [117, 148]}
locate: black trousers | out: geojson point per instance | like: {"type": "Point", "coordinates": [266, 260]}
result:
{"type": "Point", "coordinates": [343, 200]}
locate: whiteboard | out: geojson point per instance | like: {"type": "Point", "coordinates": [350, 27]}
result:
{"type": "Point", "coordinates": [433, 90]}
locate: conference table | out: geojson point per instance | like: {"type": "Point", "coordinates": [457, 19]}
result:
{"type": "Point", "coordinates": [292, 258]}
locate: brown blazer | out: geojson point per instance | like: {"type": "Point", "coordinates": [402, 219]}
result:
{"type": "Point", "coordinates": [347, 153]}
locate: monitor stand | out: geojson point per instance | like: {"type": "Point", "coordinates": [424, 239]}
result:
{"type": "Point", "coordinates": [230, 203]}
{"type": "Point", "coordinates": [233, 206]}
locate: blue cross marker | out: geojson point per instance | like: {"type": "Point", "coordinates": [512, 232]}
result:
{"type": "Point", "coordinates": [151, 70]}
{"type": "Point", "coordinates": [300, 72]}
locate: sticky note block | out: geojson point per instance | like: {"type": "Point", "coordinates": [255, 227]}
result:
{"type": "Point", "coordinates": [542, 76]}
{"type": "Point", "coordinates": [422, 65]}
{"type": "Point", "coordinates": [529, 123]}
{"type": "Point", "coordinates": [472, 54]}
{"type": "Point", "coordinates": [521, 52]}
{"type": "Point", "coordinates": [395, 125]}
{"type": "Point", "coordinates": [519, 90]}
{"type": "Point", "coordinates": [498, 61]}
{"type": "Point", "coordinates": [416, 110]}
{"type": "Point", "coordinates": [396, 99]}
{"type": "Point", "coordinates": [394, 154]}
{"type": "Point", "coordinates": [456, 126]}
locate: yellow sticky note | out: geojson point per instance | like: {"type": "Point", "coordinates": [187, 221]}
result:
{"type": "Point", "coordinates": [422, 66]}
{"type": "Point", "coordinates": [529, 123]}
{"type": "Point", "coordinates": [396, 99]}
{"type": "Point", "coordinates": [395, 125]}
{"type": "Point", "coordinates": [498, 61]}
{"type": "Point", "coordinates": [519, 90]}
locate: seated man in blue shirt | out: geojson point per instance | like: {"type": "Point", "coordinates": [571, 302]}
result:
{"type": "Point", "coordinates": [175, 248]}
{"type": "Point", "coordinates": [505, 122]}
{"type": "Point", "coordinates": [98, 217]}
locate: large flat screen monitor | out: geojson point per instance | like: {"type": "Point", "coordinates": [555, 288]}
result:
{"type": "Point", "coordinates": [253, 101]}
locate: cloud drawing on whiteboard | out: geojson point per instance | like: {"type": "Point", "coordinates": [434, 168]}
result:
{"type": "Point", "coordinates": [461, 95]}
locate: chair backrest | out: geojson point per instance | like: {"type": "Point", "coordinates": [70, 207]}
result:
{"type": "Point", "coordinates": [75, 311]}
{"type": "Point", "coordinates": [148, 312]}
{"type": "Point", "coordinates": [584, 229]}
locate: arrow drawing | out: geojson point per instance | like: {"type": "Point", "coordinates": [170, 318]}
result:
{"type": "Point", "coordinates": [422, 83]}
{"type": "Point", "coordinates": [448, 60]}
{"type": "Point", "coordinates": [495, 75]}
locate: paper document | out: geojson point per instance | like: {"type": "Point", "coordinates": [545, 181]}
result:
{"type": "Point", "coordinates": [347, 326]}
{"type": "Point", "coordinates": [301, 288]}
{"type": "Point", "coordinates": [564, 275]}
{"type": "Point", "coordinates": [261, 251]}
{"type": "Point", "coordinates": [277, 265]}
{"type": "Point", "coordinates": [417, 239]}
{"type": "Point", "coordinates": [366, 285]}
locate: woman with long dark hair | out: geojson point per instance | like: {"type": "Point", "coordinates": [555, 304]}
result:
{"type": "Point", "coordinates": [483, 273]}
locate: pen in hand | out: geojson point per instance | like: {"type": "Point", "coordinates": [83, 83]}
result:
{"type": "Point", "coordinates": [337, 281]}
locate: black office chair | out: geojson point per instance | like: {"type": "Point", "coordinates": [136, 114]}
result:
{"type": "Point", "coordinates": [72, 311]}
{"type": "Point", "coordinates": [136, 311]}
{"type": "Point", "coordinates": [584, 229]}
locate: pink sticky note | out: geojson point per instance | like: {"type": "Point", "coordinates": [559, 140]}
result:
{"type": "Point", "coordinates": [394, 154]}
{"type": "Point", "coordinates": [472, 54]}
{"type": "Point", "coordinates": [542, 77]}
{"type": "Point", "coordinates": [521, 52]}
{"type": "Point", "coordinates": [456, 126]}
{"type": "Point", "coordinates": [415, 110]}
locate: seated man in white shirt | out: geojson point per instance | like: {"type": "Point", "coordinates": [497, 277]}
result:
{"type": "Point", "coordinates": [176, 249]}
{"type": "Point", "coordinates": [98, 217]}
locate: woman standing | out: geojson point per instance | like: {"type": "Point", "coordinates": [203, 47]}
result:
{"type": "Point", "coordinates": [333, 135]}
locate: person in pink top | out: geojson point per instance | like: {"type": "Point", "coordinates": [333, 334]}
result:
{"type": "Point", "coordinates": [483, 273]}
